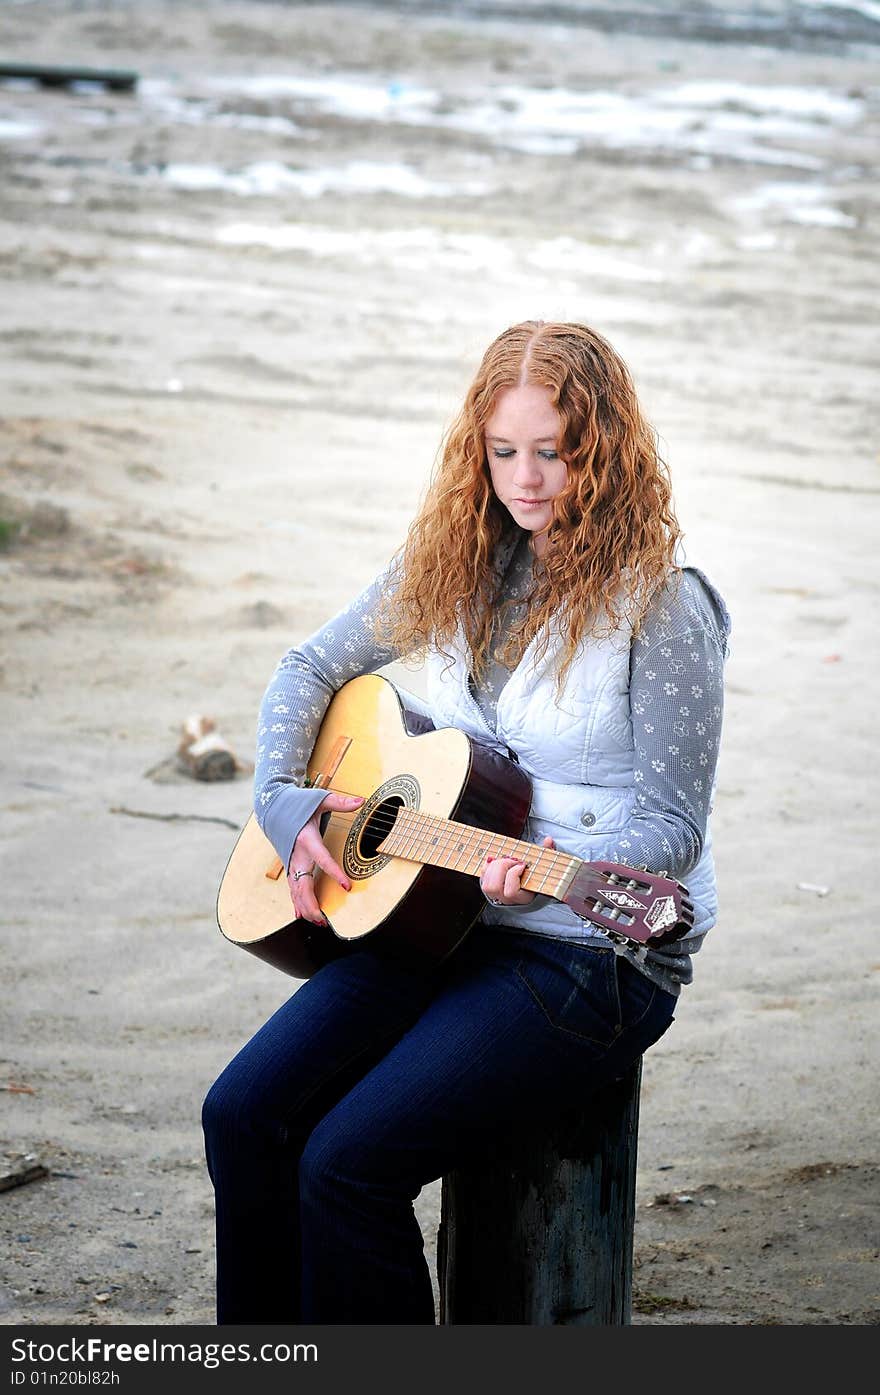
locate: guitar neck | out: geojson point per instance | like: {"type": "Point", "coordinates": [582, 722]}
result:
{"type": "Point", "coordinates": [436, 842]}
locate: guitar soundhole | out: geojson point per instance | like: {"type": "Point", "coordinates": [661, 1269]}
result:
{"type": "Point", "coordinates": [379, 824]}
{"type": "Point", "coordinates": [373, 822]}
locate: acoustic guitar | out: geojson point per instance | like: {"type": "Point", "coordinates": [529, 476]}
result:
{"type": "Point", "coordinates": [436, 804]}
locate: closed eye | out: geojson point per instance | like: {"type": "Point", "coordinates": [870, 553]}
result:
{"type": "Point", "coordinates": [505, 452]}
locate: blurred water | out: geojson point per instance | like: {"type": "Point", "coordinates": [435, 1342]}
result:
{"type": "Point", "coordinates": [781, 128]}
{"type": "Point", "coordinates": [784, 23]}
{"type": "Point", "coordinates": [756, 123]}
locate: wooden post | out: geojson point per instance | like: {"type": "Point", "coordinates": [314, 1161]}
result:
{"type": "Point", "coordinates": [544, 1236]}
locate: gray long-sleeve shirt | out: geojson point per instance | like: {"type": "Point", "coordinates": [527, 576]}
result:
{"type": "Point", "coordinates": [675, 701]}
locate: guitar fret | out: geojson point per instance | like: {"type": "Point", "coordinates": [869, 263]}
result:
{"type": "Point", "coordinates": [446, 843]}
{"type": "Point", "coordinates": [539, 889]}
{"type": "Point", "coordinates": [405, 842]}
{"type": "Point", "coordinates": [440, 845]}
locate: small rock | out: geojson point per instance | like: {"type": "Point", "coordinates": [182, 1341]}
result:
{"type": "Point", "coordinates": [47, 520]}
{"type": "Point", "coordinates": [262, 615]}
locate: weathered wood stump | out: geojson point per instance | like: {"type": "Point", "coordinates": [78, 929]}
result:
{"type": "Point", "coordinates": [544, 1236]}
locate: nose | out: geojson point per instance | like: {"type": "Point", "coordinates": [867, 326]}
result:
{"type": "Point", "coordinates": [527, 474]}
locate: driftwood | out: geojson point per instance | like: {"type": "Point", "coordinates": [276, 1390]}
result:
{"type": "Point", "coordinates": [172, 818]}
{"type": "Point", "coordinates": [203, 753]}
{"type": "Point", "coordinates": [544, 1236]}
{"type": "Point", "coordinates": [18, 1171]}
{"type": "Point", "coordinates": [50, 75]}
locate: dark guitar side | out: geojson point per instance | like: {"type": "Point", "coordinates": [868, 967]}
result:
{"type": "Point", "coordinates": [437, 912]}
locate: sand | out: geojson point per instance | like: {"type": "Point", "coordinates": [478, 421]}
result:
{"type": "Point", "coordinates": [238, 308]}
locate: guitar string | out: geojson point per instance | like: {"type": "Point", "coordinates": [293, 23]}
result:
{"type": "Point", "coordinates": [422, 830]}
{"type": "Point", "coordinates": [422, 826]}
{"type": "Point", "coordinates": [425, 833]}
{"type": "Point", "coordinates": [421, 836]}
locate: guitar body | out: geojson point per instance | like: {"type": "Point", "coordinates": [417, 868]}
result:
{"type": "Point", "coordinates": [371, 745]}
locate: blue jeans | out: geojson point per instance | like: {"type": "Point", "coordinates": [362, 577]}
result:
{"type": "Point", "coordinates": [375, 1079]}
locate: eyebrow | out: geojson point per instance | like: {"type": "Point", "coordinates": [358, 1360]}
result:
{"type": "Point", "coordinates": [506, 441]}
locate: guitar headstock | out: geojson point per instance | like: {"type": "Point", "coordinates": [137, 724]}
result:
{"type": "Point", "coordinates": [629, 904]}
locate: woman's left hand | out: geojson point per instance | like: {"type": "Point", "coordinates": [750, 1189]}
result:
{"type": "Point", "coordinates": [501, 879]}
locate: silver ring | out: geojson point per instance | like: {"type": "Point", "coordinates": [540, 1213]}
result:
{"type": "Point", "coordinates": [309, 872]}
{"type": "Point", "coordinates": [493, 902]}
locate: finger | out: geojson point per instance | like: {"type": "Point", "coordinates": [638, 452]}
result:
{"type": "Point", "coordinates": [501, 863]}
{"type": "Point", "coordinates": [305, 901]}
{"type": "Point", "coordinates": [487, 879]}
{"type": "Point", "coordinates": [327, 863]}
{"type": "Point", "coordinates": [493, 875]}
{"type": "Point", "coordinates": [501, 881]}
{"type": "Point", "coordinates": [311, 911]}
{"type": "Point", "coordinates": [340, 803]}
{"type": "Point", "coordinates": [512, 879]}
{"type": "Point", "coordinates": [311, 845]}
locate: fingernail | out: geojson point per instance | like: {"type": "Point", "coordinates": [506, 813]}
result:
{"type": "Point", "coordinates": [490, 859]}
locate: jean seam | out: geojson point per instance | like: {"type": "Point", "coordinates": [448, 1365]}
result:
{"type": "Point", "coordinates": [560, 1027]}
{"type": "Point", "coordinates": [655, 989]}
{"type": "Point", "coordinates": [648, 1006]}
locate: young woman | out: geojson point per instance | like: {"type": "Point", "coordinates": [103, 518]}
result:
{"type": "Point", "coordinates": [539, 580]}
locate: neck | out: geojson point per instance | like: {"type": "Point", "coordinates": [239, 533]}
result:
{"type": "Point", "coordinates": [436, 842]}
{"type": "Point", "coordinates": [539, 543]}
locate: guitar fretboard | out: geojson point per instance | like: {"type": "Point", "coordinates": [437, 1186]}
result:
{"type": "Point", "coordinates": [436, 842]}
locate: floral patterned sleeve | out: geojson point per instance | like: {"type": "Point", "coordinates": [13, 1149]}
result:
{"type": "Point", "coordinates": [676, 705]}
{"type": "Point", "coordinates": [293, 707]}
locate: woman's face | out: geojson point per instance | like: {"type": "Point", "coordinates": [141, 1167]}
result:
{"type": "Point", "coordinates": [527, 474]}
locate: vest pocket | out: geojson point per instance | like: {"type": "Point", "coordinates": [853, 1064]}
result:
{"type": "Point", "coordinates": [573, 815]}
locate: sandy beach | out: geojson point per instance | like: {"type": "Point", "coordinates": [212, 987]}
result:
{"type": "Point", "coordinates": [238, 308]}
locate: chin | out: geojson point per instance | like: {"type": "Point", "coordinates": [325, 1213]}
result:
{"type": "Point", "coordinates": [532, 520]}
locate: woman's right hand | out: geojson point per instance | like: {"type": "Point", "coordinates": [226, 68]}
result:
{"type": "Point", "coordinates": [311, 852]}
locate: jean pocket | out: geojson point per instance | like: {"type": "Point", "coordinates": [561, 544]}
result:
{"type": "Point", "coordinates": [576, 986]}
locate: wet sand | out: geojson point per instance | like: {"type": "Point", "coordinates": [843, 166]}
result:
{"type": "Point", "coordinates": [237, 310]}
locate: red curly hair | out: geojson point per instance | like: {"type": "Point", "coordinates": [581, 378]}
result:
{"type": "Point", "coordinates": [613, 535]}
